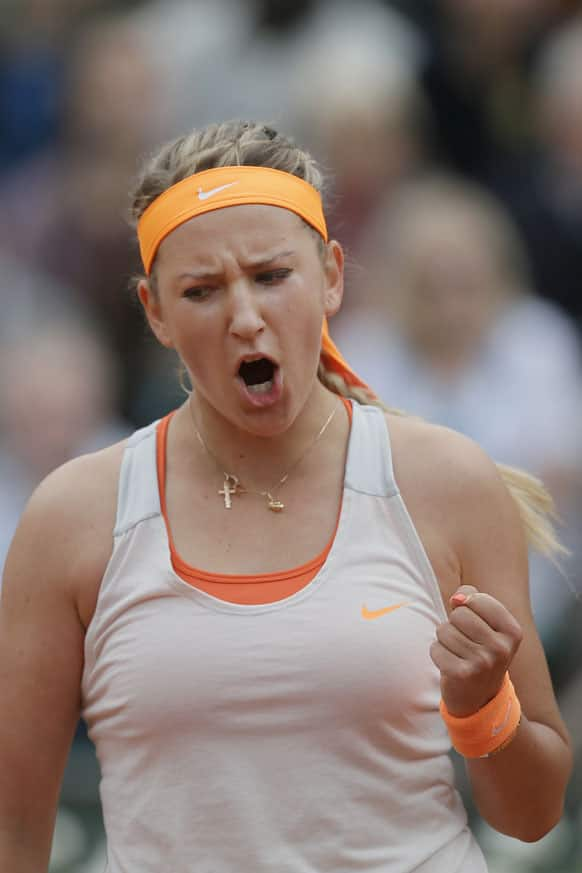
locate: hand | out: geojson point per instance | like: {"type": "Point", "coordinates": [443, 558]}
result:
{"type": "Point", "coordinates": [473, 650]}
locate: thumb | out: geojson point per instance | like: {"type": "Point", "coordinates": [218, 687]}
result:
{"type": "Point", "coordinates": [462, 595]}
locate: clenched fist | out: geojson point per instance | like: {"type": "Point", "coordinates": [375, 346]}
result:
{"type": "Point", "coordinates": [473, 650]}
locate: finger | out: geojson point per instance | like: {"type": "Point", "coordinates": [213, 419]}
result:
{"type": "Point", "coordinates": [494, 613]}
{"type": "Point", "coordinates": [472, 625]}
{"type": "Point", "coordinates": [468, 637]}
{"type": "Point", "coordinates": [462, 595]}
{"type": "Point", "coordinates": [456, 642]}
{"type": "Point", "coordinates": [446, 661]}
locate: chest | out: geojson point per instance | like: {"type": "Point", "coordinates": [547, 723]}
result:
{"type": "Point", "coordinates": [239, 534]}
{"type": "Point", "coordinates": [366, 622]}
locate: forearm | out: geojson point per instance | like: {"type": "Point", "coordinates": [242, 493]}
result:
{"type": "Point", "coordinates": [25, 845]}
{"type": "Point", "coordinates": [19, 859]}
{"type": "Point", "coordinates": [520, 791]}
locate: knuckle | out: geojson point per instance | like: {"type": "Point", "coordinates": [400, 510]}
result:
{"type": "Point", "coordinates": [467, 670]}
{"type": "Point", "coordinates": [486, 659]}
{"type": "Point", "coordinates": [505, 648]}
{"type": "Point", "coordinates": [517, 633]}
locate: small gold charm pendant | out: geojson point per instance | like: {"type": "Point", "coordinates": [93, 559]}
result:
{"type": "Point", "coordinates": [275, 505]}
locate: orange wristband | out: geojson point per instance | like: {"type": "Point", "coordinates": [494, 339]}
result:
{"type": "Point", "coordinates": [489, 729]}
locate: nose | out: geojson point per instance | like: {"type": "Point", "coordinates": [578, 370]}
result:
{"type": "Point", "coordinates": [246, 320]}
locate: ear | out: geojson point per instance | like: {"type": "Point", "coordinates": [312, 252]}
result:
{"type": "Point", "coordinates": [150, 301]}
{"type": "Point", "coordinates": [334, 277]}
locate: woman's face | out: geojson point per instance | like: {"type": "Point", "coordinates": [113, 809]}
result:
{"type": "Point", "coordinates": [241, 296]}
{"type": "Point", "coordinates": [451, 284]}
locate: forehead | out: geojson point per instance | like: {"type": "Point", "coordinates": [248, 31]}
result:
{"type": "Point", "coordinates": [248, 231]}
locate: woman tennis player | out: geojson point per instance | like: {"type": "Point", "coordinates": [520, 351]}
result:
{"type": "Point", "coordinates": [280, 606]}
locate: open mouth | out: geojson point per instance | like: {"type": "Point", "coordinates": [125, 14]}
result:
{"type": "Point", "coordinates": [258, 376]}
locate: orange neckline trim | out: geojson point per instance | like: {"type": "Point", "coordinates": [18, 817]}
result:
{"type": "Point", "coordinates": [185, 569]}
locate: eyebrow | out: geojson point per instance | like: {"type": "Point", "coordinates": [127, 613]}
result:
{"type": "Point", "coordinates": [264, 262]}
{"type": "Point", "coordinates": [251, 264]}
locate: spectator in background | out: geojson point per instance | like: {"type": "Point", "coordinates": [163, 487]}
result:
{"type": "Point", "coordinates": [545, 193]}
{"type": "Point", "coordinates": [365, 116]}
{"type": "Point", "coordinates": [450, 331]}
{"type": "Point", "coordinates": [358, 102]}
{"type": "Point", "coordinates": [476, 78]}
{"type": "Point", "coordinates": [58, 394]}
{"type": "Point", "coordinates": [34, 38]}
{"type": "Point", "coordinates": [182, 40]}
{"type": "Point", "coordinates": [265, 48]}
{"type": "Point", "coordinates": [64, 213]}
{"type": "Point", "coordinates": [28, 297]}
{"type": "Point", "coordinates": [295, 46]}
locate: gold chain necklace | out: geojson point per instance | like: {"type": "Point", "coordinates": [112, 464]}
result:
{"type": "Point", "coordinates": [232, 485]}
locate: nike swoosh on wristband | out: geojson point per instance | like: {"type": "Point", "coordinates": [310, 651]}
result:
{"type": "Point", "coordinates": [497, 728]}
{"type": "Point", "coordinates": [204, 195]}
{"type": "Point", "coordinates": [377, 613]}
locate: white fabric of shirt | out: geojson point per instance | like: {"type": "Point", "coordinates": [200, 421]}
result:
{"type": "Point", "coordinates": [294, 736]}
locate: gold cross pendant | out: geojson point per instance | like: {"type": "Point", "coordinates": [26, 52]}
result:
{"type": "Point", "coordinates": [230, 487]}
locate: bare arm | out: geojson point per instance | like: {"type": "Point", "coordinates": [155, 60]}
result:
{"type": "Point", "coordinates": [41, 662]}
{"type": "Point", "coordinates": [520, 791]}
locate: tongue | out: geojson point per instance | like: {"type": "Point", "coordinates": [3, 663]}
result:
{"type": "Point", "coordinates": [261, 387]}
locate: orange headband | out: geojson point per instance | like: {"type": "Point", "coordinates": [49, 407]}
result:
{"type": "Point", "coordinates": [237, 186]}
{"type": "Point", "coordinates": [221, 187]}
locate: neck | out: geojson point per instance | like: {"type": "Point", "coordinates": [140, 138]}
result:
{"type": "Point", "coordinates": [260, 459]}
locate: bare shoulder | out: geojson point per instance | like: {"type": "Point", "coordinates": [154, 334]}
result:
{"type": "Point", "coordinates": [66, 532]}
{"type": "Point", "coordinates": [78, 498]}
{"type": "Point", "coordinates": [450, 463]}
{"type": "Point", "coordinates": [49, 587]}
{"type": "Point", "coordinates": [460, 504]}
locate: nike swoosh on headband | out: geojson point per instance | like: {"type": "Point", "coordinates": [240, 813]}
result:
{"type": "Point", "coordinates": [204, 195]}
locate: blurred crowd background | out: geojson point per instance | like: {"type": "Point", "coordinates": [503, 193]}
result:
{"type": "Point", "coordinates": [451, 135]}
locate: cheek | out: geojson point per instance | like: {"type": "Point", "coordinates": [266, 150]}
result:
{"type": "Point", "coordinates": [305, 338]}
{"type": "Point", "coordinates": [195, 340]}
{"type": "Point", "coordinates": [301, 316]}
{"type": "Point", "coordinates": [307, 299]}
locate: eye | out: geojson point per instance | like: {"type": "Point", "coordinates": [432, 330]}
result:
{"type": "Point", "coordinates": [272, 277]}
{"type": "Point", "coordinates": [200, 292]}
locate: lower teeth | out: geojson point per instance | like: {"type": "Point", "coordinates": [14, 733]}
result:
{"type": "Point", "coordinates": [261, 388]}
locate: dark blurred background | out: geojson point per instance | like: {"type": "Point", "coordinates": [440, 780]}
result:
{"type": "Point", "coordinates": [451, 132]}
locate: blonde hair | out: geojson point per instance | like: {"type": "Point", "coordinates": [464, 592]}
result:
{"type": "Point", "coordinates": [240, 143]}
{"type": "Point", "coordinates": [229, 144]}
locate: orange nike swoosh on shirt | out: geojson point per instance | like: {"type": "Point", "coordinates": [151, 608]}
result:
{"type": "Point", "coordinates": [376, 613]}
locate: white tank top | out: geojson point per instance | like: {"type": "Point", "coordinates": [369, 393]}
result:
{"type": "Point", "coordinates": [295, 737]}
